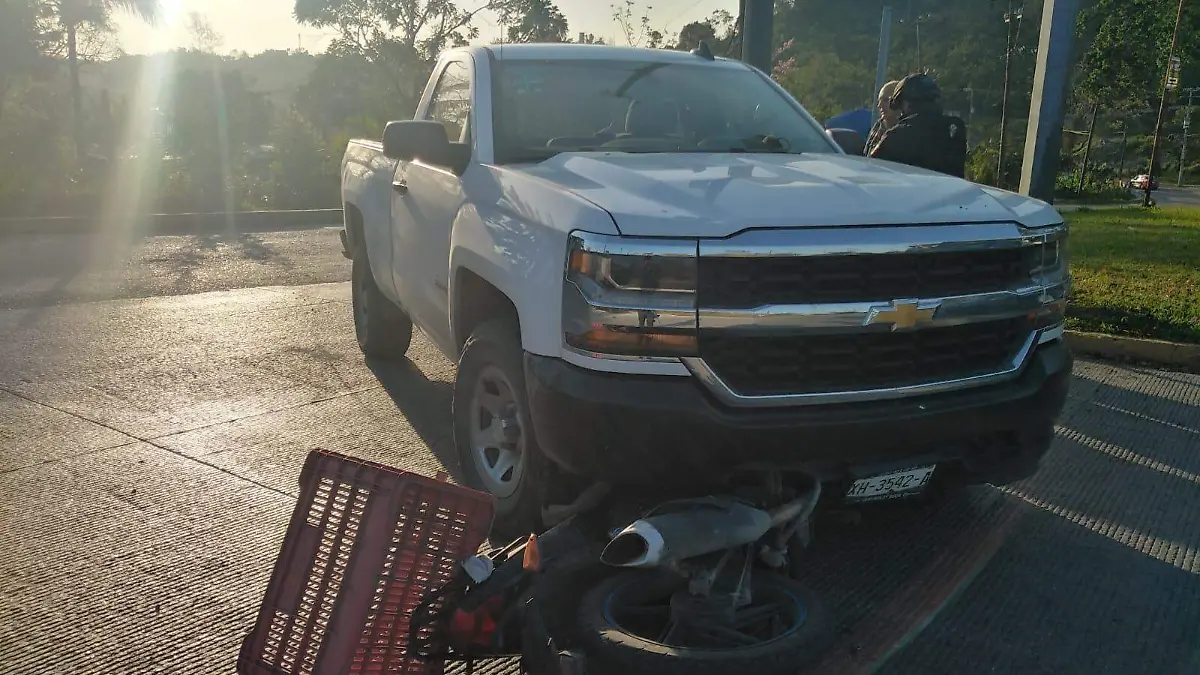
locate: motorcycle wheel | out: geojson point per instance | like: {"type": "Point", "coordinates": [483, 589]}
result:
{"type": "Point", "coordinates": [626, 626]}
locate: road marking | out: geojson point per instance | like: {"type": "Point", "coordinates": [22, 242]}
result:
{"type": "Point", "coordinates": [1148, 418]}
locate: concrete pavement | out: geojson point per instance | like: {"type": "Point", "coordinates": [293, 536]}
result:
{"type": "Point", "coordinates": [39, 270]}
{"type": "Point", "coordinates": [150, 447]}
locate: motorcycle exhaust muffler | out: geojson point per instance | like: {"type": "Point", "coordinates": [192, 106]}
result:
{"type": "Point", "coordinates": [670, 537]}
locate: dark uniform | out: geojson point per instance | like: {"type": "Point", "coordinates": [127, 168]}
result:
{"type": "Point", "coordinates": [876, 134]}
{"type": "Point", "coordinates": [924, 136]}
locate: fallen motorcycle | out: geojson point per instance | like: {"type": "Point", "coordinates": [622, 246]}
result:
{"type": "Point", "coordinates": [380, 572]}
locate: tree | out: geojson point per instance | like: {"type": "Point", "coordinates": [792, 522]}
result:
{"type": "Point", "coordinates": [74, 15]}
{"type": "Point", "coordinates": [637, 32]}
{"type": "Point", "coordinates": [22, 42]}
{"type": "Point", "coordinates": [533, 21]}
{"type": "Point", "coordinates": [204, 37]}
{"type": "Point", "coordinates": [691, 35]}
{"type": "Point", "coordinates": [345, 96]}
{"type": "Point", "coordinates": [215, 119]}
{"type": "Point", "coordinates": [1126, 58]}
{"type": "Point", "coordinates": [400, 37]}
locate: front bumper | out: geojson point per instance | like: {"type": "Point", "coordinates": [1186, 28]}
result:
{"type": "Point", "coordinates": [656, 429]}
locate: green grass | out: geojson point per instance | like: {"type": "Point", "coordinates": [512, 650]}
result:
{"type": "Point", "coordinates": [1136, 272]}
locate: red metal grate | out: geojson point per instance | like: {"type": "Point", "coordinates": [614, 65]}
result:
{"type": "Point", "coordinates": [365, 544]}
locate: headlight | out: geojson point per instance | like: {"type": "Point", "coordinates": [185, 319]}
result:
{"type": "Point", "coordinates": [1053, 273]}
{"type": "Point", "coordinates": [630, 297]}
{"type": "Point", "coordinates": [1051, 266]}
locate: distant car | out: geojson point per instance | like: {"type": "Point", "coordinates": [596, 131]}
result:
{"type": "Point", "coordinates": [1139, 181]}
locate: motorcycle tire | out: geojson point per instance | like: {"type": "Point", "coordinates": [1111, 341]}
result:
{"type": "Point", "coordinates": [614, 648]}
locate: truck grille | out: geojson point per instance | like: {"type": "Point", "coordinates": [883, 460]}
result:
{"type": "Point", "coordinates": [802, 364]}
{"type": "Point", "coordinates": [728, 283]}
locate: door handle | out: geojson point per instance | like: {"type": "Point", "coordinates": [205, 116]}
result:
{"type": "Point", "coordinates": [400, 187]}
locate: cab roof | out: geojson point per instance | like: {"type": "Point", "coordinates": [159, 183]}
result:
{"type": "Point", "coordinates": [571, 51]}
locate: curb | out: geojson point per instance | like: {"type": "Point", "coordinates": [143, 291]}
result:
{"type": "Point", "coordinates": [176, 223]}
{"type": "Point", "coordinates": [1159, 352]}
{"type": "Point", "coordinates": [1068, 208]}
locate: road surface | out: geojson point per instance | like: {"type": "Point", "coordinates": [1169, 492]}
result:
{"type": "Point", "coordinates": [150, 447]}
{"type": "Point", "coordinates": [1173, 196]}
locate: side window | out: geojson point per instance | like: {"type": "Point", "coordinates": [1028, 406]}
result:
{"type": "Point", "coordinates": [451, 101]}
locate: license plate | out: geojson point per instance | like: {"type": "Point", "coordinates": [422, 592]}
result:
{"type": "Point", "coordinates": [890, 485]}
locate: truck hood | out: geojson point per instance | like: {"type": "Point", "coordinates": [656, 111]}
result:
{"type": "Point", "coordinates": [716, 195]}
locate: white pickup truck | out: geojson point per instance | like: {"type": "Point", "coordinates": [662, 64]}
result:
{"type": "Point", "coordinates": [655, 267]}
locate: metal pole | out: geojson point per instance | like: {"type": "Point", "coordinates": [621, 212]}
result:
{"type": "Point", "coordinates": [1008, 50]}
{"type": "Point", "coordinates": [1162, 107]}
{"type": "Point", "coordinates": [919, 44]}
{"type": "Point", "coordinates": [1043, 138]}
{"type": "Point", "coordinates": [1187, 123]}
{"type": "Point", "coordinates": [757, 33]}
{"type": "Point", "coordinates": [1087, 150]}
{"type": "Point", "coordinates": [881, 60]}
{"type": "Point", "coordinates": [1124, 139]}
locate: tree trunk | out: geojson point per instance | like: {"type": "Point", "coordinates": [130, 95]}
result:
{"type": "Point", "coordinates": [76, 91]}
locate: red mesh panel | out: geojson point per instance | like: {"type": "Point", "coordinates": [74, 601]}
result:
{"type": "Point", "coordinates": [365, 544]}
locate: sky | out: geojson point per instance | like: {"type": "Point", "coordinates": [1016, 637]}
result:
{"type": "Point", "coordinates": [257, 25]}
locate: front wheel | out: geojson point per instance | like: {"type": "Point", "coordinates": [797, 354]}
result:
{"type": "Point", "coordinates": [493, 429]}
{"type": "Point", "coordinates": [383, 330]}
{"type": "Point", "coordinates": [644, 622]}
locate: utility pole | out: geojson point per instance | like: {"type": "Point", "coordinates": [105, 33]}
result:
{"type": "Point", "coordinates": [920, 65]}
{"type": "Point", "coordinates": [1124, 140]}
{"type": "Point", "coordinates": [1162, 105]}
{"type": "Point", "coordinates": [1087, 150]}
{"type": "Point", "coordinates": [757, 33]}
{"type": "Point", "coordinates": [1011, 20]}
{"type": "Point", "coordinates": [1187, 123]}
{"type": "Point", "coordinates": [1043, 137]}
{"type": "Point", "coordinates": [881, 60]}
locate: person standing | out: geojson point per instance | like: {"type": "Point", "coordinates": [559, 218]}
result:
{"type": "Point", "coordinates": [887, 116]}
{"type": "Point", "coordinates": [924, 136]}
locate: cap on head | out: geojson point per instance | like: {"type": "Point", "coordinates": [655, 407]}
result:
{"type": "Point", "coordinates": [915, 88]}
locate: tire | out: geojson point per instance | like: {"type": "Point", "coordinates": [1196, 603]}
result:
{"type": "Point", "coordinates": [618, 650]}
{"type": "Point", "coordinates": [383, 330]}
{"type": "Point", "coordinates": [491, 371]}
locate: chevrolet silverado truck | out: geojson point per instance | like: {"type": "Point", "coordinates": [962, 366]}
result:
{"type": "Point", "coordinates": [655, 267]}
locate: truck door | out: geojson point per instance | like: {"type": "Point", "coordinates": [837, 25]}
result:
{"type": "Point", "coordinates": [425, 201]}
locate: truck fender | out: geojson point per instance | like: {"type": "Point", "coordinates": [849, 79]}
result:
{"type": "Point", "coordinates": [526, 268]}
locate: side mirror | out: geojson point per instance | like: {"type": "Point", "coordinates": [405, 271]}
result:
{"type": "Point", "coordinates": [424, 140]}
{"type": "Point", "coordinates": [850, 141]}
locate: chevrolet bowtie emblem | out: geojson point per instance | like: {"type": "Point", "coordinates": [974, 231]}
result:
{"type": "Point", "coordinates": [902, 314]}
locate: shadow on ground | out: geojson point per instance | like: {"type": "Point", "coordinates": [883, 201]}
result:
{"type": "Point", "coordinates": [427, 404]}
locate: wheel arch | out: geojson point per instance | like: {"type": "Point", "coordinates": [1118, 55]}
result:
{"type": "Point", "coordinates": [475, 300]}
{"type": "Point", "coordinates": [352, 219]}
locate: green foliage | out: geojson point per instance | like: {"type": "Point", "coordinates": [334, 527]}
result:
{"type": "Point", "coordinates": [1126, 57]}
{"type": "Point", "coordinates": [691, 35]}
{"type": "Point", "coordinates": [303, 168]}
{"type": "Point", "coordinates": [823, 82]}
{"type": "Point", "coordinates": [981, 166]}
{"type": "Point", "coordinates": [246, 130]}
{"type": "Point", "coordinates": [35, 157]}
{"type": "Point", "coordinates": [533, 21]}
{"type": "Point", "coordinates": [214, 106]}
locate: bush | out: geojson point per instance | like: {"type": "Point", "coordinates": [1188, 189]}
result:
{"type": "Point", "coordinates": [981, 166]}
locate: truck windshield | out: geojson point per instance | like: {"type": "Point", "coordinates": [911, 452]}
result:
{"type": "Point", "coordinates": [543, 108]}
